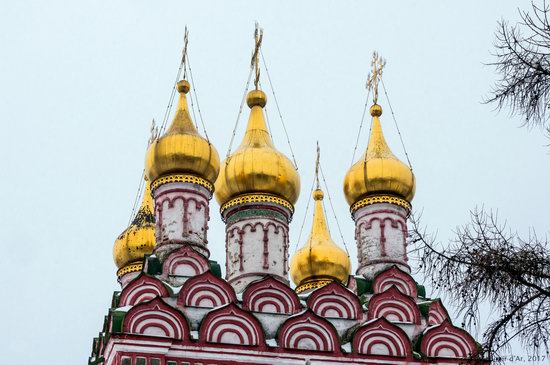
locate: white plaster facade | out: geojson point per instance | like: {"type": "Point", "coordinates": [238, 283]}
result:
{"type": "Point", "coordinates": [182, 213]}
{"type": "Point", "coordinates": [381, 237]}
{"type": "Point", "coordinates": [256, 246]}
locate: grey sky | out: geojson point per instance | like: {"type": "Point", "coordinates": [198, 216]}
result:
{"type": "Point", "coordinates": [80, 82]}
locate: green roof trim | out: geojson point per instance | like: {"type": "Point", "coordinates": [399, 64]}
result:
{"type": "Point", "coordinates": [215, 268]}
{"type": "Point", "coordinates": [154, 267]}
{"type": "Point", "coordinates": [118, 319]}
{"type": "Point", "coordinates": [363, 285]}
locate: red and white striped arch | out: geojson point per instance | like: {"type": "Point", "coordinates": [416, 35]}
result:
{"type": "Point", "coordinates": [142, 289]}
{"type": "Point", "coordinates": [437, 313]}
{"type": "Point", "coordinates": [448, 341]}
{"type": "Point", "coordinates": [335, 301]}
{"type": "Point", "coordinates": [206, 291]}
{"type": "Point", "coordinates": [308, 331]}
{"type": "Point", "coordinates": [395, 277]}
{"type": "Point", "coordinates": [156, 318]}
{"type": "Point", "coordinates": [231, 325]}
{"type": "Point", "coordinates": [184, 262]}
{"type": "Point", "coordinates": [270, 295]}
{"type": "Point", "coordinates": [394, 306]}
{"type": "Point", "coordinates": [380, 337]}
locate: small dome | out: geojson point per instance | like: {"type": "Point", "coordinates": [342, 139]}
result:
{"type": "Point", "coordinates": [182, 150]}
{"type": "Point", "coordinates": [378, 172]}
{"type": "Point", "coordinates": [138, 239]}
{"type": "Point", "coordinates": [256, 167]}
{"type": "Point", "coordinates": [320, 261]}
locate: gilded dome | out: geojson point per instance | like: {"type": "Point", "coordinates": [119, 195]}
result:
{"type": "Point", "coordinates": [182, 150]}
{"type": "Point", "coordinates": [378, 172]}
{"type": "Point", "coordinates": [138, 239]}
{"type": "Point", "coordinates": [256, 167]}
{"type": "Point", "coordinates": [320, 261]}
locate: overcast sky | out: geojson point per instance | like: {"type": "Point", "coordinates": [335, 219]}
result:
{"type": "Point", "coordinates": [81, 81]}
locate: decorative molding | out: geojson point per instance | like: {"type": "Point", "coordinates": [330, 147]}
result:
{"type": "Point", "coordinates": [256, 198]}
{"type": "Point", "coordinates": [182, 178]}
{"type": "Point", "coordinates": [184, 262]}
{"type": "Point", "coordinates": [132, 267]}
{"type": "Point", "coordinates": [231, 325]}
{"type": "Point", "coordinates": [380, 337]}
{"type": "Point", "coordinates": [307, 331]}
{"type": "Point", "coordinates": [447, 341]}
{"type": "Point", "coordinates": [157, 319]}
{"type": "Point", "coordinates": [270, 295]}
{"type": "Point", "coordinates": [437, 313]}
{"type": "Point", "coordinates": [335, 301]}
{"type": "Point", "coordinates": [394, 306]}
{"type": "Point", "coordinates": [395, 277]}
{"type": "Point", "coordinates": [206, 291]}
{"type": "Point", "coordinates": [376, 199]}
{"type": "Point", "coordinates": [142, 289]}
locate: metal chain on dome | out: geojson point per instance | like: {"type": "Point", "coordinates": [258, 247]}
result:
{"type": "Point", "coordinates": [138, 195]}
{"type": "Point", "coordinates": [197, 99]}
{"type": "Point", "coordinates": [164, 121]}
{"type": "Point", "coordinates": [333, 210]}
{"type": "Point", "coordinates": [396, 126]}
{"type": "Point", "coordinates": [305, 216]}
{"type": "Point", "coordinates": [267, 119]}
{"type": "Point", "coordinates": [278, 109]}
{"type": "Point", "coordinates": [360, 126]}
{"type": "Point", "coordinates": [239, 115]}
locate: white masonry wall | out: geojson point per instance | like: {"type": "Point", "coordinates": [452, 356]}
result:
{"type": "Point", "coordinates": [255, 247]}
{"type": "Point", "coordinates": [182, 215]}
{"type": "Point", "coordinates": [380, 234]}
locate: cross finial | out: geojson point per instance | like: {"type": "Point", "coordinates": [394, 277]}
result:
{"type": "Point", "coordinates": [377, 64]}
{"type": "Point", "coordinates": [154, 132]}
{"type": "Point", "coordinates": [255, 61]}
{"type": "Point", "coordinates": [317, 164]}
{"type": "Point", "coordinates": [184, 52]}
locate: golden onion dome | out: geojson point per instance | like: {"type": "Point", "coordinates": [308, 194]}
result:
{"type": "Point", "coordinates": [320, 261]}
{"type": "Point", "coordinates": [256, 167]}
{"type": "Point", "coordinates": [138, 239]}
{"type": "Point", "coordinates": [379, 173]}
{"type": "Point", "coordinates": [182, 150]}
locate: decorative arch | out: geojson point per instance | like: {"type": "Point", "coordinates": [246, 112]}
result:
{"type": "Point", "coordinates": [308, 331]}
{"type": "Point", "coordinates": [437, 313]}
{"type": "Point", "coordinates": [394, 306]}
{"type": "Point", "coordinates": [335, 301]}
{"type": "Point", "coordinates": [184, 262]}
{"type": "Point", "coordinates": [142, 289]}
{"type": "Point", "coordinates": [448, 341]}
{"type": "Point", "coordinates": [270, 295]}
{"type": "Point", "coordinates": [156, 318]}
{"type": "Point", "coordinates": [206, 291]}
{"type": "Point", "coordinates": [380, 337]}
{"type": "Point", "coordinates": [231, 325]}
{"type": "Point", "coordinates": [395, 277]}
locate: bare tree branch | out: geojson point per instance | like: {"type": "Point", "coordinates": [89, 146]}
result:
{"type": "Point", "coordinates": [485, 262]}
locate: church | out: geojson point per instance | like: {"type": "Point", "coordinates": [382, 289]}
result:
{"type": "Point", "coordinates": [178, 307]}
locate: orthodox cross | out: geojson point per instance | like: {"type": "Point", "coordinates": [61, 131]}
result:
{"type": "Point", "coordinates": [317, 163]}
{"type": "Point", "coordinates": [154, 132]}
{"type": "Point", "coordinates": [184, 52]}
{"type": "Point", "coordinates": [255, 61]}
{"type": "Point", "coordinates": [377, 64]}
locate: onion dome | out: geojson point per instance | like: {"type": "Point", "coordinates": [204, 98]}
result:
{"type": "Point", "coordinates": [256, 171]}
{"type": "Point", "coordinates": [182, 154]}
{"type": "Point", "coordinates": [138, 239]}
{"type": "Point", "coordinates": [320, 261]}
{"type": "Point", "coordinates": [379, 176]}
